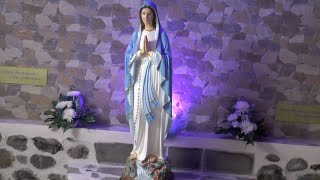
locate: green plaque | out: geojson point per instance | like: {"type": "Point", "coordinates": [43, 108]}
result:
{"type": "Point", "coordinates": [17, 75]}
{"type": "Point", "coordinates": [298, 113]}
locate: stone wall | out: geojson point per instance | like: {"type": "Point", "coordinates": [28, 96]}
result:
{"type": "Point", "coordinates": [265, 51]}
{"type": "Point", "coordinates": [29, 151]}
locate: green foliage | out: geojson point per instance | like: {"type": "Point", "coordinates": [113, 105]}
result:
{"type": "Point", "coordinates": [236, 125]}
{"type": "Point", "coordinates": [81, 115]}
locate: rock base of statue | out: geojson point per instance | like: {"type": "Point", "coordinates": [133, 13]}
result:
{"type": "Point", "coordinates": [149, 169]}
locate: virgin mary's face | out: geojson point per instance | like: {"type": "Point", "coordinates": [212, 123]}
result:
{"type": "Point", "coordinates": [147, 16]}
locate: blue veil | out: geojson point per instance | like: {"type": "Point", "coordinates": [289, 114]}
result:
{"type": "Point", "coordinates": [164, 67]}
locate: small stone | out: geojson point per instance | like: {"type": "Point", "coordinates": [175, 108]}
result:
{"type": "Point", "coordinates": [105, 10]}
{"type": "Point", "coordinates": [11, 6]}
{"type": "Point", "coordinates": [23, 174]}
{"type": "Point", "coordinates": [120, 11]}
{"type": "Point", "coordinates": [269, 44]}
{"type": "Point", "coordinates": [47, 145]}
{"type": "Point", "coordinates": [96, 60]}
{"type": "Point", "coordinates": [42, 162]}
{"type": "Point", "coordinates": [83, 21]}
{"type": "Point", "coordinates": [13, 89]}
{"type": "Point", "coordinates": [6, 113]}
{"type": "Point", "coordinates": [117, 50]}
{"type": "Point", "coordinates": [73, 63]}
{"type": "Point", "coordinates": [97, 24]}
{"type": "Point", "coordinates": [12, 18]}
{"type": "Point", "coordinates": [117, 96]}
{"type": "Point", "coordinates": [299, 77]}
{"type": "Point", "coordinates": [78, 152]}
{"type": "Point", "coordinates": [270, 172]}
{"type": "Point", "coordinates": [77, 2]}
{"type": "Point", "coordinates": [32, 8]}
{"type": "Point", "coordinates": [72, 170]}
{"type": "Point", "coordinates": [102, 48]}
{"type": "Point", "coordinates": [50, 44]}
{"type": "Point", "coordinates": [297, 39]}
{"type": "Point", "coordinates": [112, 152]}
{"type": "Point", "coordinates": [269, 57]}
{"type": "Point", "coordinates": [299, 48]}
{"type": "Point", "coordinates": [287, 69]}
{"type": "Point", "coordinates": [18, 142]}
{"type": "Point", "coordinates": [307, 69]}
{"type": "Point", "coordinates": [102, 83]}
{"type": "Point", "coordinates": [20, 112]}
{"type": "Point", "coordinates": [13, 53]}
{"type": "Point", "coordinates": [31, 44]}
{"type": "Point", "coordinates": [273, 158]}
{"type": "Point", "coordinates": [90, 75]}
{"type": "Point", "coordinates": [74, 27]}
{"type": "Point", "coordinates": [31, 89]}
{"type": "Point", "coordinates": [264, 31]}
{"type": "Point", "coordinates": [50, 9]}
{"type": "Point", "coordinates": [95, 175]}
{"type": "Point", "coordinates": [176, 25]}
{"type": "Point", "coordinates": [119, 24]}
{"type": "Point", "coordinates": [213, 42]}
{"type": "Point", "coordinates": [265, 12]}
{"type": "Point", "coordinates": [43, 20]}
{"type": "Point", "coordinates": [287, 56]}
{"type": "Point", "coordinates": [231, 28]}
{"type": "Point", "coordinates": [309, 177]}
{"type": "Point", "coordinates": [215, 17]}
{"type": "Point", "coordinates": [7, 158]}
{"type": "Point", "coordinates": [22, 159]}
{"type": "Point", "coordinates": [297, 164]}
{"type": "Point", "coordinates": [57, 177]}
{"type": "Point", "coordinates": [66, 8]}
{"type": "Point", "coordinates": [37, 37]}
{"type": "Point", "coordinates": [315, 167]}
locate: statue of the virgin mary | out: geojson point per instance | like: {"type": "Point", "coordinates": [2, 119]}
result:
{"type": "Point", "coordinates": [148, 85]}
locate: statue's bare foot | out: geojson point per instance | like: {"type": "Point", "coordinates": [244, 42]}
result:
{"type": "Point", "coordinates": [133, 156]}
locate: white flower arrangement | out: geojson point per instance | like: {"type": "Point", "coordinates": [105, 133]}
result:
{"type": "Point", "coordinates": [68, 112]}
{"type": "Point", "coordinates": [241, 123]}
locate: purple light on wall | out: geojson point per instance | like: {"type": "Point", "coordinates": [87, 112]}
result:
{"type": "Point", "coordinates": [179, 116]}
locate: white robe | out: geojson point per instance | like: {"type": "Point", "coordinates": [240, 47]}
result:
{"type": "Point", "coordinates": [149, 136]}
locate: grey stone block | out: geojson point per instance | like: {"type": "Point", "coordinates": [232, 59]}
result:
{"type": "Point", "coordinates": [297, 164]}
{"type": "Point", "coordinates": [111, 170]}
{"type": "Point", "coordinates": [6, 158]}
{"type": "Point", "coordinates": [78, 152]}
{"type": "Point", "coordinates": [57, 177]}
{"type": "Point", "coordinates": [18, 142]}
{"type": "Point", "coordinates": [72, 170]}
{"type": "Point", "coordinates": [185, 158]}
{"type": "Point", "coordinates": [49, 145]}
{"type": "Point", "coordinates": [112, 152]}
{"type": "Point", "coordinates": [309, 177]}
{"type": "Point", "coordinates": [42, 162]}
{"type": "Point", "coordinates": [273, 158]}
{"type": "Point", "coordinates": [225, 162]}
{"type": "Point", "coordinates": [24, 174]}
{"type": "Point", "coordinates": [22, 159]}
{"type": "Point", "coordinates": [270, 172]}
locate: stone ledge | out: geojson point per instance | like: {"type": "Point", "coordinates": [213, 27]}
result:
{"type": "Point", "coordinates": [184, 147]}
{"type": "Point", "coordinates": [186, 134]}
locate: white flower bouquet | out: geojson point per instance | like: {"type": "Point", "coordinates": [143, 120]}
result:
{"type": "Point", "coordinates": [241, 123]}
{"type": "Point", "coordinates": [68, 112]}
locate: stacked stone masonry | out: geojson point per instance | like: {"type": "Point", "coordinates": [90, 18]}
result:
{"type": "Point", "coordinates": [265, 51]}
{"type": "Point", "coordinates": [76, 155]}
